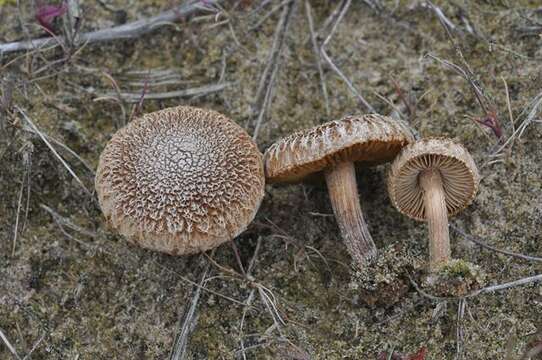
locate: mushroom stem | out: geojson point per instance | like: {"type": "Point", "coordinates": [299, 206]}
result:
{"type": "Point", "coordinates": [437, 217]}
{"type": "Point", "coordinates": [343, 192]}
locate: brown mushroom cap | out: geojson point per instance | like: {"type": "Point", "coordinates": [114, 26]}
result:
{"type": "Point", "coordinates": [459, 176]}
{"type": "Point", "coordinates": [372, 139]}
{"type": "Point", "coordinates": [180, 180]}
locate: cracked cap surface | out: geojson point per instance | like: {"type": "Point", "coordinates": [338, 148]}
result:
{"type": "Point", "coordinates": [180, 180]}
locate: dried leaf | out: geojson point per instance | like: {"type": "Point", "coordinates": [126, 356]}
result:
{"type": "Point", "coordinates": [46, 14]}
{"type": "Point", "coordinates": [490, 120]}
{"type": "Point", "coordinates": [420, 355]}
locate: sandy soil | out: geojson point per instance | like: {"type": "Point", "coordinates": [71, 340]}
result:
{"type": "Point", "coordinates": [72, 289]}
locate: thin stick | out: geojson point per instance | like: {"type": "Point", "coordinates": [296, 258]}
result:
{"type": "Point", "coordinates": [477, 241]}
{"type": "Point", "coordinates": [535, 104]}
{"type": "Point", "coordinates": [459, 329]}
{"type": "Point", "coordinates": [8, 345]}
{"type": "Point", "coordinates": [188, 323]}
{"type": "Point", "coordinates": [468, 76]}
{"type": "Point", "coordinates": [65, 147]}
{"type": "Point", "coordinates": [250, 297]}
{"type": "Point", "coordinates": [237, 257]}
{"type": "Point", "coordinates": [332, 17]}
{"type": "Point", "coordinates": [64, 221]}
{"type": "Point", "coordinates": [486, 290]}
{"type": "Point", "coordinates": [267, 80]}
{"type": "Point", "coordinates": [264, 18]}
{"type": "Point", "coordinates": [254, 256]}
{"type": "Point", "coordinates": [345, 5]}
{"type": "Point", "coordinates": [441, 16]}
{"type": "Point", "coordinates": [202, 90]}
{"type": "Point", "coordinates": [16, 230]}
{"type": "Point", "coordinates": [318, 56]}
{"type": "Point", "coordinates": [248, 302]}
{"type": "Point", "coordinates": [44, 139]}
{"type": "Point", "coordinates": [511, 116]}
{"type": "Point", "coordinates": [127, 31]}
{"type": "Point", "coordinates": [508, 285]}
{"type": "Point", "coordinates": [34, 347]}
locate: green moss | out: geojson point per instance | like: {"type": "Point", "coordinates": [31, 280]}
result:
{"type": "Point", "coordinates": [456, 278]}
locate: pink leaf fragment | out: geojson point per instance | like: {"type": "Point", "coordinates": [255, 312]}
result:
{"type": "Point", "coordinates": [490, 120]}
{"type": "Point", "coordinates": [46, 14]}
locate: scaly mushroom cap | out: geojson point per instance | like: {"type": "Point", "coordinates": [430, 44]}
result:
{"type": "Point", "coordinates": [372, 139]}
{"type": "Point", "coordinates": [459, 176]}
{"type": "Point", "coordinates": [180, 180]}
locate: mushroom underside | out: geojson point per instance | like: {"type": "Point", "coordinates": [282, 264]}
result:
{"type": "Point", "coordinates": [457, 181]}
{"type": "Point", "coordinates": [293, 168]}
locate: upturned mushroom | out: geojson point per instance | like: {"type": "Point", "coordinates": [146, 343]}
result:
{"type": "Point", "coordinates": [332, 149]}
{"type": "Point", "coordinates": [180, 180]}
{"type": "Point", "coordinates": [433, 179]}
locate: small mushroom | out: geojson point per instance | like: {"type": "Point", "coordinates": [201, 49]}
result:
{"type": "Point", "coordinates": [332, 148]}
{"type": "Point", "coordinates": [433, 179]}
{"type": "Point", "coordinates": [180, 180]}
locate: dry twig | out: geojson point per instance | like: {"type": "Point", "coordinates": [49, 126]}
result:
{"type": "Point", "coordinates": [188, 320]}
{"type": "Point", "coordinates": [315, 46]}
{"type": "Point", "coordinates": [461, 305]}
{"type": "Point", "coordinates": [55, 153]}
{"type": "Point", "coordinates": [10, 347]}
{"type": "Point", "coordinates": [530, 114]}
{"type": "Point", "coordinates": [264, 93]}
{"type": "Point", "coordinates": [127, 31]}
{"type": "Point", "coordinates": [478, 242]}
{"type": "Point", "coordinates": [27, 149]}
{"type": "Point", "coordinates": [136, 97]}
{"type": "Point", "coordinates": [264, 18]}
{"type": "Point", "coordinates": [486, 290]}
{"type": "Point", "coordinates": [344, 6]}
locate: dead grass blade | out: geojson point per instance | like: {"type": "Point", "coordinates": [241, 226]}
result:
{"type": "Point", "coordinates": [248, 302]}
{"type": "Point", "coordinates": [10, 347]}
{"type": "Point", "coordinates": [188, 319]}
{"type": "Point", "coordinates": [55, 153]}
{"type": "Point", "coordinates": [532, 111]}
{"type": "Point", "coordinates": [136, 97]}
{"type": "Point", "coordinates": [34, 347]}
{"type": "Point", "coordinates": [27, 150]}
{"type": "Point", "coordinates": [62, 221]}
{"type": "Point", "coordinates": [65, 148]}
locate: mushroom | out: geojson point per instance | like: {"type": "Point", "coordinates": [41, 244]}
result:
{"type": "Point", "coordinates": [433, 179]}
{"type": "Point", "coordinates": [180, 180]}
{"type": "Point", "coordinates": [332, 148]}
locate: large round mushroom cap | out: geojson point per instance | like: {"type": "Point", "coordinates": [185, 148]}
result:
{"type": "Point", "coordinates": [180, 180]}
{"type": "Point", "coordinates": [372, 139]}
{"type": "Point", "coordinates": [457, 168]}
